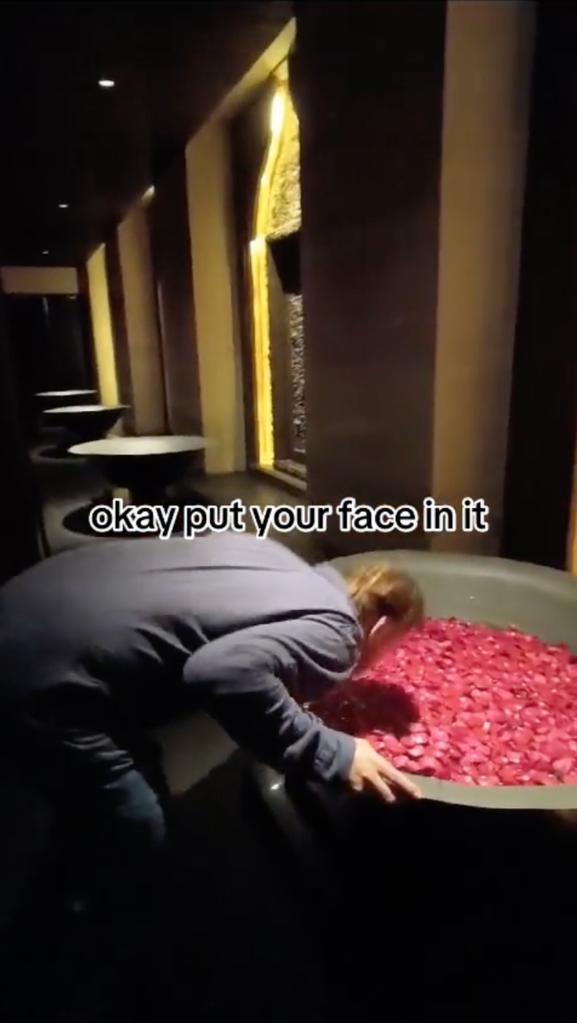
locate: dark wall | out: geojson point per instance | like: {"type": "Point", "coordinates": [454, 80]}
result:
{"type": "Point", "coordinates": [85, 321]}
{"type": "Point", "coordinates": [19, 506]}
{"type": "Point", "coordinates": [542, 433]}
{"type": "Point", "coordinates": [368, 81]}
{"type": "Point", "coordinates": [173, 271]}
{"type": "Point", "coordinates": [48, 347]}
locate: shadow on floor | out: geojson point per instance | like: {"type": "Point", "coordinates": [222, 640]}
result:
{"type": "Point", "coordinates": [432, 914]}
{"type": "Point", "coordinates": [232, 936]}
{"type": "Point", "coordinates": [52, 451]}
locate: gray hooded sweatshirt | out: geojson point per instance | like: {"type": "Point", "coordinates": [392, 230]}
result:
{"type": "Point", "coordinates": [239, 626]}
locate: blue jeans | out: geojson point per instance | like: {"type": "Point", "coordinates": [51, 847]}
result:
{"type": "Point", "coordinates": [103, 776]}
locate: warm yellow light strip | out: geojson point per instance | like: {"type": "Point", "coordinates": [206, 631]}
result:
{"type": "Point", "coordinates": [261, 354]}
{"type": "Point", "coordinates": [259, 283]}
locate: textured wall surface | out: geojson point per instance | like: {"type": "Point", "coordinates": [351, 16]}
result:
{"type": "Point", "coordinates": [285, 206]}
{"type": "Point", "coordinates": [285, 220]}
{"type": "Point", "coordinates": [297, 358]}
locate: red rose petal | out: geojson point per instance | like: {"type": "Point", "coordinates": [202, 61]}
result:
{"type": "Point", "coordinates": [473, 704]}
{"type": "Point", "coordinates": [403, 763]}
{"type": "Point", "coordinates": [429, 766]}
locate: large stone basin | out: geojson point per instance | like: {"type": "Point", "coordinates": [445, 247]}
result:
{"type": "Point", "coordinates": [85, 422]}
{"type": "Point", "coordinates": [538, 600]}
{"type": "Point", "coordinates": [76, 396]}
{"type": "Point", "coordinates": [143, 465]}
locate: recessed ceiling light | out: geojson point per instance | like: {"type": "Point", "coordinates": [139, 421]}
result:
{"type": "Point", "coordinates": [62, 205]}
{"type": "Point", "coordinates": [106, 83]}
{"type": "Point", "coordinates": [45, 252]}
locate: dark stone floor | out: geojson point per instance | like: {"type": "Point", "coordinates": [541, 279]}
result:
{"type": "Point", "coordinates": [236, 936]}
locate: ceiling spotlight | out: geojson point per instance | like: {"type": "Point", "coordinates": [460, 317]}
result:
{"type": "Point", "coordinates": [45, 252]}
{"type": "Point", "coordinates": [62, 205]}
{"type": "Point", "coordinates": [106, 83]}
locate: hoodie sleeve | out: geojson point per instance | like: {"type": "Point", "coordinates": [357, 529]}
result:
{"type": "Point", "coordinates": [245, 680]}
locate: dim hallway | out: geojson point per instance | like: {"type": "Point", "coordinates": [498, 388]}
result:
{"type": "Point", "coordinates": [294, 253]}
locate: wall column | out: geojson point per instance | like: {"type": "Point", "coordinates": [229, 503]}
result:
{"type": "Point", "coordinates": [488, 61]}
{"type": "Point", "coordinates": [168, 213]}
{"type": "Point", "coordinates": [141, 322]}
{"type": "Point", "coordinates": [367, 83]}
{"type": "Point", "coordinates": [102, 327]}
{"type": "Point", "coordinates": [211, 221]}
{"type": "Point", "coordinates": [414, 125]}
{"type": "Point", "coordinates": [543, 426]}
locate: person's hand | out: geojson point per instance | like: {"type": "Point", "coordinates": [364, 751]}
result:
{"type": "Point", "coordinates": [369, 771]}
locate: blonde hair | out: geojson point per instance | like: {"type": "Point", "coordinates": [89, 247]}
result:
{"type": "Point", "coordinates": [380, 589]}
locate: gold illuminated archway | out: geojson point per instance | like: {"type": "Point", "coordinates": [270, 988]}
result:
{"type": "Point", "coordinates": [280, 111]}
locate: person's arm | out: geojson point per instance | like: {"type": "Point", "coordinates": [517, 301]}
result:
{"type": "Point", "coordinates": [244, 679]}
